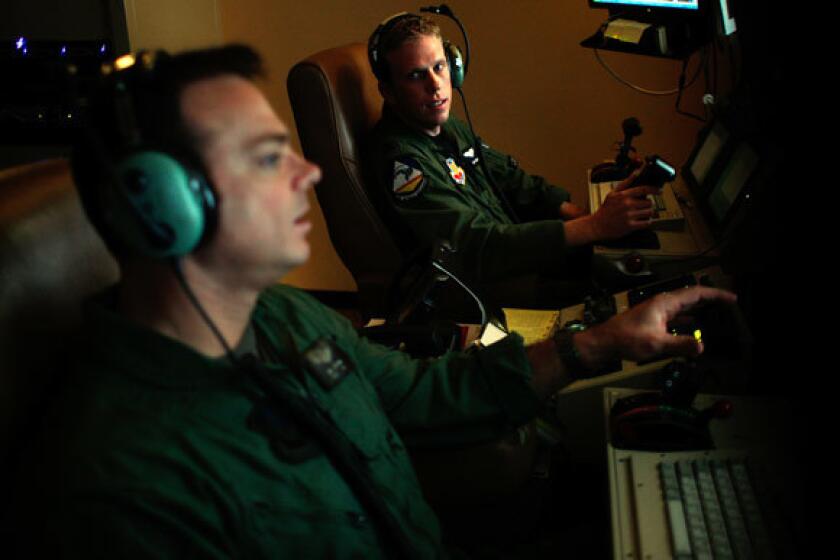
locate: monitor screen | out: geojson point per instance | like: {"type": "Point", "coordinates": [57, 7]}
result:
{"type": "Point", "coordinates": [730, 185]}
{"type": "Point", "coordinates": [675, 4]}
{"type": "Point", "coordinates": [708, 152]}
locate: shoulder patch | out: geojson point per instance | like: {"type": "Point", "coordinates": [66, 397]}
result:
{"type": "Point", "coordinates": [407, 178]}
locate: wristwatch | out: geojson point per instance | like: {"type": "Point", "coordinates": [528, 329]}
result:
{"type": "Point", "coordinates": [568, 353]}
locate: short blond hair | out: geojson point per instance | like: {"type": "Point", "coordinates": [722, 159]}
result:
{"type": "Point", "coordinates": [400, 30]}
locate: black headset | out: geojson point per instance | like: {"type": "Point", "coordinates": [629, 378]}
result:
{"type": "Point", "coordinates": [454, 58]}
{"type": "Point", "coordinates": [153, 202]}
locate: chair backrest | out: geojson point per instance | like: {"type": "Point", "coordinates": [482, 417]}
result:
{"type": "Point", "coordinates": [50, 260]}
{"type": "Point", "coordinates": [335, 102]}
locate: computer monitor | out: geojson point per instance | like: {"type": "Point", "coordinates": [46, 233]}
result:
{"type": "Point", "coordinates": [690, 5]}
{"type": "Point", "coordinates": [720, 172]}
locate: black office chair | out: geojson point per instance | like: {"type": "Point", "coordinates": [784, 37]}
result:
{"type": "Point", "coordinates": [50, 260]}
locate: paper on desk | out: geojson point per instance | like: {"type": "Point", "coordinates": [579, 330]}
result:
{"type": "Point", "coordinates": [625, 30]}
{"type": "Point", "coordinates": [533, 324]}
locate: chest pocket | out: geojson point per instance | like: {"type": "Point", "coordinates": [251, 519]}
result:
{"type": "Point", "coordinates": [353, 406]}
{"type": "Point", "coordinates": [346, 397]}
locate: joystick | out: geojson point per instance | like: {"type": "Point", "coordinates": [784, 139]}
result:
{"type": "Point", "coordinates": [623, 165]}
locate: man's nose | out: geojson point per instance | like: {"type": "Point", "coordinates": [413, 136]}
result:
{"type": "Point", "coordinates": [308, 175]}
{"type": "Point", "coordinates": [313, 174]}
{"type": "Point", "coordinates": [433, 81]}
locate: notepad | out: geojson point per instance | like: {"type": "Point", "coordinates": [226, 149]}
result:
{"type": "Point", "coordinates": [533, 325]}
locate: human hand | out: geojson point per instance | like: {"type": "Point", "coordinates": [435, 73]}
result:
{"type": "Point", "coordinates": [624, 210]}
{"type": "Point", "coordinates": [571, 211]}
{"type": "Point", "coordinates": [641, 332]}
{"type": "Point", "coordinates": [630, 180]}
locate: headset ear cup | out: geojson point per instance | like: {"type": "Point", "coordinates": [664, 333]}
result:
{"type": "Point", "coordinates": [160, 208]}
{"type": "Point", "coordinates": [455, 60]}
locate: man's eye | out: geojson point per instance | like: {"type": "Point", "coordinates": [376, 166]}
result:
{"type": "Point", "coordinates": [269, 160]}
{"type": "Point", "coordinates": [440, 67]}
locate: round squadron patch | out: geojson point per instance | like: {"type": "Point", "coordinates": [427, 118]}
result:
{"type": "Point", "coordinates": [456, 172]}
{"type": "Point", "coordinates": [408, 179]}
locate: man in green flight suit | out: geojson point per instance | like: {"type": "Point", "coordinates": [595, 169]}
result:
{"type": "Point", "coordinates": [428, 167]}
{"type": "Point", "coordinates": [213, 413]}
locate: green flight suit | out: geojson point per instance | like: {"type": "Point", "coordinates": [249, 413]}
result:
{"type": "Point", "coordinates": [438, 189]}
{"type": "Point", "coordinates": [159, 452]}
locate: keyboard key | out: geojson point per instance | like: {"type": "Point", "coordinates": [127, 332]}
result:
{"type": "Point", "coordinates": [676, 514]}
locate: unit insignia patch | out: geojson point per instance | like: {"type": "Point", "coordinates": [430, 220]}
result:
{"type": "Point", "coordinates": [408, 179]}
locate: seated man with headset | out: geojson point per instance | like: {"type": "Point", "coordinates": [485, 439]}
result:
{"type": "Point", "coordinates": [212, 412]}
{"type": "Point", "coordinates": [440, 182]}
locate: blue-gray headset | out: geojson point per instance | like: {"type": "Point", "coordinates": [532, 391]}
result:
{"type": "Point", "coordinates": [154, 203]}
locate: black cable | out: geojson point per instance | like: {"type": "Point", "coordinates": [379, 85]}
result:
{"type": "Point", "coordinates": [646, 91]}
{"type": "Point", "coordinates": [479, 153]}
{"type": "Point", "coordinates": [735, 59]}
{"type": "Point", "coordinates": [715, 73]}
{"type": "Point", "coordinates": [179, 274]}
{"type": "Point", "coordinates": [466, 288]}
{"type": "Point", "coordinates": [444, 10]}
{"type": "Point", "coordinates": [682, 86]}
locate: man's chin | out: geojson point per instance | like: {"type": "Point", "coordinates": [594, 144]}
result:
{"type": "Point", "coordinates": [293, 260]}
{"type": "Point", "coordinates": [302, 256]}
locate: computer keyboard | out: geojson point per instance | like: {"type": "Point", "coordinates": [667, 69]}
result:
{"type": "Point", "coordinates": [714, 510]}
{"type": "Point", "coordinates": [708, 504]}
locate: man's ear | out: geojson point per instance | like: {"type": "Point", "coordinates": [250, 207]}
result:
{"type": "Point", "coordinates": [386, 90]}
